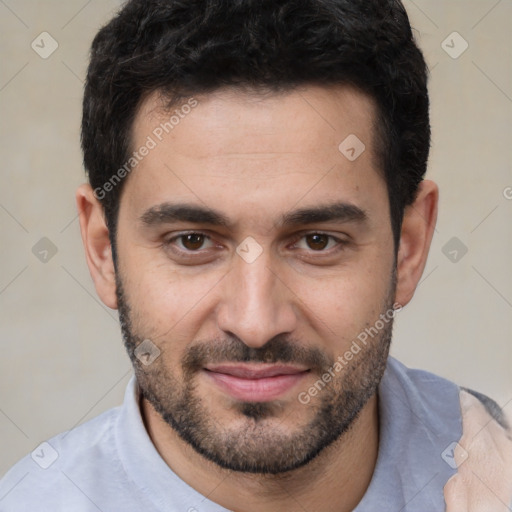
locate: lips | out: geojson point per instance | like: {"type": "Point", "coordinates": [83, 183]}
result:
{"type": "Point", "coordinates": [255, 382]}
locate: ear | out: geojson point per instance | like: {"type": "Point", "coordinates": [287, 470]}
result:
{"type": "Point", "coordinates": [416, 235]}
{"type": "Point", "coordinates": [98, 251]}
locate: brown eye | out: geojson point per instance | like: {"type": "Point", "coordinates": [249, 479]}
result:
{"type": "Point", "coordinates": [192, 248]}
{"type": "Point", "coordinates": [192, 241]}
{"type": "Point", "coordinates": [321, 243]}
{"type": "Point", "coordinates": [317, 241]}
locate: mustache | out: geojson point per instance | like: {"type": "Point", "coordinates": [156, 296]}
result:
{"type": "Point", "coordinates": [277, 350]}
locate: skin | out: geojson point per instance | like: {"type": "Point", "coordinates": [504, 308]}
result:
{"type": "Point", "coordinates": [255, 159]}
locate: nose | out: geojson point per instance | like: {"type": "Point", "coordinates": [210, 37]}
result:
{"type": "Point", "coordinates": [256, 303]}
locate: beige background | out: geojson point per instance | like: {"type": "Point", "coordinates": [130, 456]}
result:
{"type": "Point", "coordinates": [62, 356]}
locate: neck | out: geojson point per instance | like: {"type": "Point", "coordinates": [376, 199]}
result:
{"type": "Point", "coordinates": [335, 481]}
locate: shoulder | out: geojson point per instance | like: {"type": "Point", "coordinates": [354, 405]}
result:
{"type": "Point", "coordinates": [483, 456]}
{"type": "Point", "coordinates": [431, 398]}
{"type": "Point", "coordinates": [43, 479]}
{"type": "Point", "coordinates": [469, 434]}
{"type": "Point", "coordinates": [480, 451]}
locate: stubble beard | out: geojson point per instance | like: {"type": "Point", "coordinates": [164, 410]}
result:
{"type": "Point", "coordinates": [254, 442]}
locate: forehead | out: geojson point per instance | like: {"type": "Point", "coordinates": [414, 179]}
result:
{"type": "Point", "coordinates": [268, 151]}
{"type": "Point", "coordinates": [304, 120]}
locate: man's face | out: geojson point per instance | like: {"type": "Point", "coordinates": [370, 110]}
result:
{"type": "Point", "coordinates": [248, 314]}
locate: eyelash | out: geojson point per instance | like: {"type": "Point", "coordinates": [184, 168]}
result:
{"type": "Point", "coordinates": [340, 244]}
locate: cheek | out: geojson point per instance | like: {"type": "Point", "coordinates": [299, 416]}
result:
{"type": "Point", "coordinates": [167, 304]}
{"type": "Point", "coordinates": [342, 305]}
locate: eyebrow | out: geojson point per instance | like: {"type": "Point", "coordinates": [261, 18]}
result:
{"type": "Point", "coordinates": [168, 213]}
{"type": "Point", "coordinates": [340, 212]}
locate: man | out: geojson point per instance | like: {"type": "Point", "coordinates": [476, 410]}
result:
{"type": "Point", "coordinates": [257, 213]}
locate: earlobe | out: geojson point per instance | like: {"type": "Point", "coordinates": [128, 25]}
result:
{"type": "Point", "coordinates": [416, 236]}
{"type": "Point", "coordinates": [98, 251]}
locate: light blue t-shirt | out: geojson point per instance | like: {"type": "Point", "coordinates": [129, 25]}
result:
{"type": "Point", "coordinates": [109, 464]}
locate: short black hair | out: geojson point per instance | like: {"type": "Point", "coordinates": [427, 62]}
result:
{"type": "Point", "coordinates": [185, 47]}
